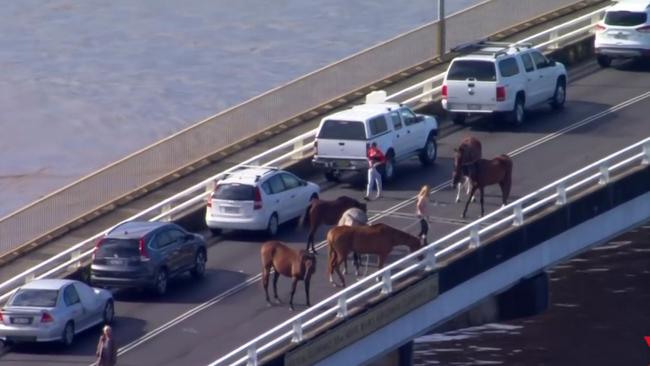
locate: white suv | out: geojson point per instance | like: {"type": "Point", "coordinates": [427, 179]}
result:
{"type": "Point", "coordinates": [343, 138]}
{"type": "Point", "coordinates": [624, 32]}
{"type": "Point", "coordinates": [258, 198]}
{"type": "Point", "coordinates": [500, 78]}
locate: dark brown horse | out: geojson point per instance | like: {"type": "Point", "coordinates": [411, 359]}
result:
{"type": "Point", "coordinates": [299, 265]}
{"type": "Point", "coordinates": [378, 239]}
{"type": "Point", "coordinates": [466, 154]}
{"type": "Point", "coordinates": [486, 172]}
{"type": "Point", "coordinates": [327, 212]}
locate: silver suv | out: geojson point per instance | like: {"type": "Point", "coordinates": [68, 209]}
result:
{"type": "Point", "coordinates": [146, 254]}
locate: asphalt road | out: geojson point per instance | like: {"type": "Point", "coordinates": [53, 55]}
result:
{"type": "Point", "coordinates": [230, 318]}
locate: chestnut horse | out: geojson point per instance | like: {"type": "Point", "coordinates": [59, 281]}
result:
{"type": "Point", "coordinates": [299, 265]}
{"type": "Point", "coordinates": [467, 153]}
{"type": "Point", "coordinates": [379, 239]}
{"type": "Point", "coordinates": [486, 172]}
{"type": "Point", "coordinates": [327, 212]}
{"type": "Point", "coordinates": [353, 217]}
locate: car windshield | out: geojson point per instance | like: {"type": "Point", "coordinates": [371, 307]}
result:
{"type": "Point", "coordinates": [120, 248]}
{"type": "Point", "coordinates": [625, 18]}
{"type": "Point", "coordinates": [234, 192]}
{"type": "Point", "coordinates": [476, 69]}
{"type": "Point", "coordinates": [35, 298]}
{"type": "Point", "coordinates": [342, 130]}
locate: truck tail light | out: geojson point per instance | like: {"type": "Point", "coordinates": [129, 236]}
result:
{"type": "Point", "coordinates": [599, 28]}
{"type": "Point", "coordinates": [257, 202]}
{"type": "Point", "coordinates": [501, 93]}
{"type": "Point", "coordinates": [444, 91]}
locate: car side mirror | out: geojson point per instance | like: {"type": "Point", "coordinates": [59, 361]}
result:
{"type": "Point", "coordinates": [303, 183]}
{"type": "Point", "coordinates": [419, 118]}
{"type": "Point", "coordinates": [551, 63]}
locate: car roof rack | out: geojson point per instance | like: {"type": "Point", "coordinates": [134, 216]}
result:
{"type": "Point", "coordinates": [485, 47]}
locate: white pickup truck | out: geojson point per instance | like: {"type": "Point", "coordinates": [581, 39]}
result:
{"type": "Point", "coordinates": [343, 138]}
{"type": "Point", "coordinates": [499, 78]}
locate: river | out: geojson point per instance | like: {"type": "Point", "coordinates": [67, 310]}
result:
{"type": "Point", "coordinates": [85, 83]}
{"type": "Point", "coordinates": [598, 315]}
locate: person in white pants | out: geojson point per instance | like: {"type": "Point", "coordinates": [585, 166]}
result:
{"type": "Point", "coordinates": [375, 158]}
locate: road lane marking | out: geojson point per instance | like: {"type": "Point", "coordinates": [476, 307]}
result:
{"type": "Point", "coordinates": [380, 215]}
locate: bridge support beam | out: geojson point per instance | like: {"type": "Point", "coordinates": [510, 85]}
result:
{"type": "Point", "coordinates": [527, 298]}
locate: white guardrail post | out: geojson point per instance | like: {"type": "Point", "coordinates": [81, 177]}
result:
{"type": "Point", "coordinates": [646, 153]}
{"type": "Point", "coordinates": [342, 311]}
{"type": "Point", "coordinates": [252, 355]}
{"type": "Point", "coordinates": [474, 238]}
{"type": "Point", "coordinates": [561, 194]}
{"type": "Point", "coordinates": [297, 331]}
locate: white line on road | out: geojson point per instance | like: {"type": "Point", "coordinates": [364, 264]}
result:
{"type": "Point", "coordinates": [374, 218]}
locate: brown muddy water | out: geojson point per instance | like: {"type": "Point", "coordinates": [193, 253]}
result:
{"type": "Point", "coordinates": [599, 313]}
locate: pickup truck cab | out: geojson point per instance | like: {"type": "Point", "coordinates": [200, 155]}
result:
{"type": "Point", "coordinates": [343, 138]}
{"type": "Point", "coordinates": [504, 79]}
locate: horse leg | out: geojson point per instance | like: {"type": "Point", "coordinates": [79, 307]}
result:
{"type": "Point", "coordinates": [356, 259]}
{"type": "Point", "coordinates": [459, 187]}
{"type": "Point", "coordinates": [294, 283]}
{"type": "Point", "coordinates": [381, 259]}
{"type": "Point", "coordinates": [310, 239]}
{"type": "Point", "coordinates": [468, 184]}
{"type": "Point", "coordinates": [276, 275]}
{"type": "Point", "coordinates": [345, 266]}
{"type": "Point", "coordinates": [468, 200]}
{"type": "Point", "coordinates": [307, 291]}
{"type": "Point", "coordinates": [331, 264]}
{"type": "Point", "coordinates": [337, 268]}
{"type": "Point", "coordinates": [482, 210]}
{"type": "Point", "coordinates": [265, 283]}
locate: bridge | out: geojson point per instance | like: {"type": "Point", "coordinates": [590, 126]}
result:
{"type": "Point", "coordinates": [199, 323]}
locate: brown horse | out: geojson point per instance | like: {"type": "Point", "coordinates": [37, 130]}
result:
{"type": "Point", "coordinates": [379, 239]}
{"type": "Point", "coordinates": [299, 265]}
{"type": "Point", "coordinates": [327, 212]}
{"type": "Point", "coordinates": [467, 153]}
{"type": "Point", "coordinates": [485, 172]}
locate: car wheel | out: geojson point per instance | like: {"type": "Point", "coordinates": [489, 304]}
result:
{"type": "Point", "coordinates": [272, 227]}
{"type": "Point", "coordinates": [429, 152]}
{"type": "Point", "coordinates": [199, 265]}
{"type": "Point", "coordinates": [109, 312]}
{"type": "Point", "coordinates": [559, 97]}
{"type": "Point", "coordinates": [331, 176]}
{"type": "Point", "coordinates": [459, 118]}
{"type": "Point", "coordinates": [518, 114]}
{"type": "Point", "coordinates": [215, 232]}
{"type": "Point", "coordinates": [67, 337]}
{"type": "Point", "coordinates": [604, 61]}
{"type": "Point", "coordinates": [161, 282]}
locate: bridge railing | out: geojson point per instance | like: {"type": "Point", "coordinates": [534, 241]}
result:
{"type": "Point", "coordinates": [436, 254]}
{"type": "Point", "coordinates": [297, 148]}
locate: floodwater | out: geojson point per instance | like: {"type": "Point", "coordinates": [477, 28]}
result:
{"type": "Point", "coordinates": [598, 315]}
{"type": "Point", "coordinates": [85, 83]}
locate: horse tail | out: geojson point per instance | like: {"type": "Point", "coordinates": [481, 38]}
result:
{"type": "Point", "coordinates": [307, 216]}
{"type": "Point", "coordinates": [331, 253]}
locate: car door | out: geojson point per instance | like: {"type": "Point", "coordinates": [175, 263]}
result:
{"type": "Point", "coordinates": [185, 247]}
{"type": "Point", "coordinates": [534, 83]}
{"type": "Point", "coordinates": [400, 141]}
{"type": "Point", "coordinates": [278, 198]}
{"type": "Point", "coordinates": [91, 302]}
{"type": "Point", "coordinates": [414, 130]}
{"type": "Point", "coordinates": [75, 309]}
{"type": "Point", "coordinates": [296, 194]}
{"type": "Point", "coordinates": [167, 252]}
{"type": "Point", "coordinates": [545, 73]}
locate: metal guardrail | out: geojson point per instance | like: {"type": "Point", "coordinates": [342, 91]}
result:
{"type": "Point", "coordinates": [295, 149]}
{"type": "Point", "coordinates": [232, 128]}
{"type": "Point", "coordinates": [433, 256]}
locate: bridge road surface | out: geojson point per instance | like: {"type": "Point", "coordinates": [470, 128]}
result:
{"type": "Point", "coordinates": [235, 317]}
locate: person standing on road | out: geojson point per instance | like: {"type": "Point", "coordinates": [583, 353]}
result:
{"type": "Point", "coordinates": [375, 158]}
{"type": "Point", "coordinates": [106, 349]}
{"type": "Point", "coordinates": [422, 211]}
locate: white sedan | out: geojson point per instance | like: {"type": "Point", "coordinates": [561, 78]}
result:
{"type": "Point", "coordinates": [54, 310]}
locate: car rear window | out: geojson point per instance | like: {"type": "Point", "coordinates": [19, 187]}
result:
{"type": "Point", "coordinates": [479, 70]}
{"type": "Point", "coordinates": [234, 192]}
{"type": "Point", "coordinates": [122, 248]}
{"type": "Point", "coordinates": [342, 130]}
{"type": "Point", "coordinates": [625, 18]}
{"type": "Point", "coordinates": [35, 298]}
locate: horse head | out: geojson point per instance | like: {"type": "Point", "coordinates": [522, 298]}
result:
{"type": "Point", "coordinates": [457, 173]}
{"type": "Point", "coordinates": [307, 264]}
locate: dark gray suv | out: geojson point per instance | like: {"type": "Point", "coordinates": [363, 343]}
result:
{"type": "Point", "coordinates": [146, 254]}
